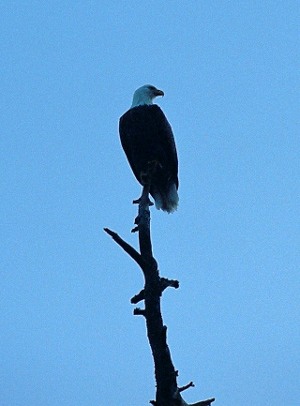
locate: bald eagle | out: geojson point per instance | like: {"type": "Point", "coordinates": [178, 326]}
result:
{"type": "Point", "coordinates": [147, 139]}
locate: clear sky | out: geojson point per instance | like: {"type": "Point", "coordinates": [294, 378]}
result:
{"type": "Point", "coordinates": [230, 73]}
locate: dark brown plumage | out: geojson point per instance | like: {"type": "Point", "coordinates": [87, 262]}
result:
{"type": "Point", "coordinates": [147, 137]}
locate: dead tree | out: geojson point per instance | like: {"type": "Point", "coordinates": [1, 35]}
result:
{"type": "Point", "coordinates": [167, 391]}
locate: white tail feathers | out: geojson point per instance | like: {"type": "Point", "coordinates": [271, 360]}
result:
{"type": "Point", "coordinates": [166, 201]}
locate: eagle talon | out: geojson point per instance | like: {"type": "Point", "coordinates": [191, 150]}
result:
{"type": "Point", "coordinates": [138, 201]}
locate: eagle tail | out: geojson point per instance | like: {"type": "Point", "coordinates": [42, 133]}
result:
{"type": "Point", "coordinates": [165, 197]}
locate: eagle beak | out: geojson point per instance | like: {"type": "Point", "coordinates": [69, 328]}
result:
{"type": "Point", "coordinates": [158, 92]}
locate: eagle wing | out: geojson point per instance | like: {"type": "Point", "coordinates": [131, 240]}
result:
{"type": "Point", "coordinates": [146, 135]}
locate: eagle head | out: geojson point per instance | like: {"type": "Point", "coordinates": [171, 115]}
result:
{"type": "Point", "coordinates": [145, 95]}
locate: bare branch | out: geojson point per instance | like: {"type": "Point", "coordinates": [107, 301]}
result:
{"type": "Point", "coordinates": [165, 283]}
{"type": "Point", "coordinates": [143, 222]}
{"type": "Point", "coordinates": [126, 247]}
{"type": "Point", "coordinates": [182, 388]}
{"type": "Point", "coordinates": [182, 402]}
{"type": "Point", "coordinates": [137, 298]}
{"type": "Point", "coordinates": [135, 229]}
{"type": "Point", "coordinates": [139, 312]}
{"type": "Point", "coordinates": [206, 402]}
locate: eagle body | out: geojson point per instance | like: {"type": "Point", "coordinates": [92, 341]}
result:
{"type": "Point", "coordinates": [147, 138]}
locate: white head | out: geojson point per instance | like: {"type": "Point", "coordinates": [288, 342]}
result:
{"type": "Point", "coordinates": [145, 95]}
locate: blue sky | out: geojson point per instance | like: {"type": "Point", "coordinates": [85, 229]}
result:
{"type": "Point", "coordinates": [230, 73]}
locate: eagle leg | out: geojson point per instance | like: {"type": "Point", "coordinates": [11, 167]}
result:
{"type": "Point", "coordinates": [145, 179]}
{"type": "Point", "coordinates": [145, 195]}
{"type": "Point", "coordinates": [146, 176]}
